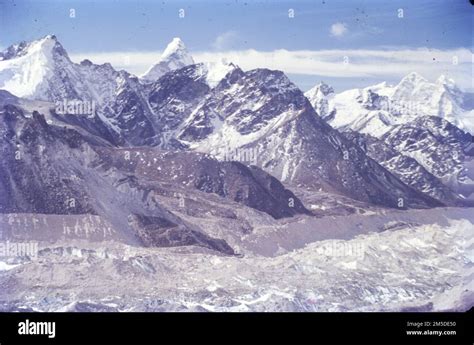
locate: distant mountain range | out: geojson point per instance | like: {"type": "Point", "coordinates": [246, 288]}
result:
{"type": "Point", "coordinates": [403, 146]}
{"type": "Point", "coordinates": [376, 109]}
{"type": "Point", "coordinates": [431, 123]}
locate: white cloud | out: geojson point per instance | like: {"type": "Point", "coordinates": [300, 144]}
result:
{"type": "Point", "coordinates": [387, 64]}
{"type": "Point", "coordinates": [338, 29]}
{"type": "Point", "coordinates": [225, 40]}
{"type": "Point", "coordinates": [380, 64]}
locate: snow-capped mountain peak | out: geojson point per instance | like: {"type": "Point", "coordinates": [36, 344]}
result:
{"type": "Point", "coordinates": [444, 80]}
{"type": "Point", "coordinates": [25, 67]}
{"type": "Point", "coordinates": [319, 96]}
{"type": "Point", "coordinates": [43, 45]}
{"type": "Point", "coordinates": [321, 88]}
{"type": "Point", "coordinates": [176, 46]}
{"type": "Point", "coordinates": [174, 57]}
{"type": "Point", "coordinates": [408, 86]}
{"type": "Point", "coordinates": [448, 83]}
{"type": "Point", "coordinates": [375, 109]}
{"type": "Point", "coordinates": [413, 78]}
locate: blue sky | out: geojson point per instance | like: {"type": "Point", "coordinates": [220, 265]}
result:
{"type": "Point", "coordinates": [436, 30]}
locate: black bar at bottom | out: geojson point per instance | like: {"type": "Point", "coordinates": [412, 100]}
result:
{"type": "Point", "coordinates": [242, 328]}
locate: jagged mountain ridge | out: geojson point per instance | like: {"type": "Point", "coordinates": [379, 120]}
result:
{"type": "Point", "coordinates": [404, 167]}
{"type": "Point", "coordinates": [50, 75]}
{"type": "Point", "coordinates": [440, 147]}
{"type": "Point", "coordinates": [414, 111]}
{"type": "Point", "coordinates": [258, 110]}
{"type": "Point", "coordinates": [72, 174]}
{"type": "Point", "coordinates": [126, 110]}
{"type": "Point", "coordinates": [376, 109]}
{"type": "Point", "coordinates": [262, 111]}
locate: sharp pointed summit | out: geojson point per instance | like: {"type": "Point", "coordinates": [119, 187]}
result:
{"type": "Point", "coordinates": [176, 46]}
{"type": "Point", "coordinates": [25, 68]}
{"type": "Point", "coordinates": [318, 97]}
{"type": "Point", "coordinates": [174, 57]}
{"type": "Point", "coordinates": [46, 45]}
{"type": "Point", "coordinates": [321, 88]}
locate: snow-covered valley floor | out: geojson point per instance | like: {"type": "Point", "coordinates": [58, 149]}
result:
{"type": "Point", "coordinates": [414, 268]}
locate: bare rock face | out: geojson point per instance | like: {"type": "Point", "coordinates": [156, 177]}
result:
{"type": "Point", "coordinates": [231, 180]}
{"type": "Point", "coordinates": [30, 179]}
{"type": "Point", "coordinates": [161, 232]}
{"type": "Point", "coordinates": [263, 112]}
{"type": "Point", "coordinates": [74, 174]}
{"type": "Point", "coordinates": [50, 170]}
{"type": "Point", "coordinates": [440, 147]}
{"type": "Point", "coordinates": [200, 176]}
{"type": "Point", "coordinates": [218, 110]}
{"type": "Point", "coordinates": [406, 168]}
